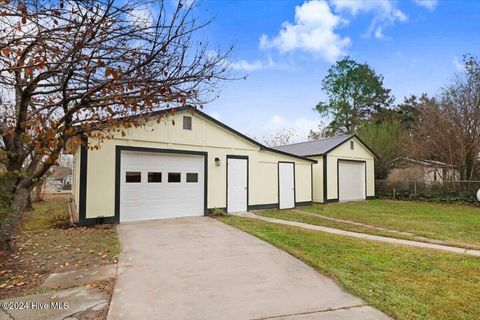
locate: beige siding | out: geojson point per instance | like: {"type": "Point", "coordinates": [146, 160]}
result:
{"type": "Point", "coordinates": [206, 137]}
{"type": "Point", "coordinates": [318, 179]}
{"type": "Point", "coordinates": [101, 181]}
{"type": "Point", "coordinates": [203, 134]}
{"type": "Point", "coordinates": [303, 182]}
{"type": "Point", "coordinates": [344, 152]}
{"type": "Point", "coordinates": [76, 177]}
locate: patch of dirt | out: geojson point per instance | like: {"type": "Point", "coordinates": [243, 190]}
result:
{"type": "Point", "coordinates": [106, 286]}
{"type": "Point", "coordinates": [94, 314]}
{"type": "Point", "coordinates": [41, 248]}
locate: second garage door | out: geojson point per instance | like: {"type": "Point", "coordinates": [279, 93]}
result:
{"type": "Point", "coordinates": [157, 186]}
{"type": "Point", "coordinates": [351, 180]}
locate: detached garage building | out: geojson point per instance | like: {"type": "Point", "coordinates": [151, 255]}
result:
{"type": "Point", "coordinates": [344, 170]}
{"type": "Point", "coordinates": [163, 170]}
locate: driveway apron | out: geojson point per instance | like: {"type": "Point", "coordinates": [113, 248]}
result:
{"type": "Point", "coordinates": [199, 268]}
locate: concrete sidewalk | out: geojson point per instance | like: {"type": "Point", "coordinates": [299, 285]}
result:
{"type": "Point", "coordinates": [199, 268]}
{"type": "Point", "coordinates": [365, 235]}
{"type": "Point", "coordinates": [70, 304]}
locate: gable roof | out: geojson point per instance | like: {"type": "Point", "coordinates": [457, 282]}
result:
{"type": "Point", "coordinates": [261, 146]}
{"type": "Point", "coordinates": [320, 147]}
{"type": "Point", "coordinates": [224, 126]}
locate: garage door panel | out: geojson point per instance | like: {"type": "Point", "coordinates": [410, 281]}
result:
{"type": "Point", "coordinates": [161, 199]}
{"type": "Point", "coordinates": [351, 180]}
{"type": "Point", "coordinates": [131, 196]}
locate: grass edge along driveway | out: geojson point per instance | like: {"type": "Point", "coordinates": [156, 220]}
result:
{"type": "Point", "coordinates": [403, 282]}
{"type": "Point", "coordinates": [456, 225]}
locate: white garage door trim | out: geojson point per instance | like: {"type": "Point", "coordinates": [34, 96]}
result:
{"type": "Point", "coordinates": [286, 185]}
{"type": "Point", "coordinates": [351, 179]}
{"type": "Point", "coordinates": [119, 175]}
{"type": "Point", "coordinates": [237, 183]}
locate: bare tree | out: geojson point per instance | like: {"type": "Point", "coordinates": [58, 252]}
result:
{"type": "Point", "coordinates": [449, 127]}
{"type": "Point", "coordinates": [278, 138]}
{"type": "Point", "coordinates": [70, 69]}
{"type": "Point", "coordinates": [316, 135]}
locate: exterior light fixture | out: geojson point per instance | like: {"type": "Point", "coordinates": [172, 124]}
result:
{"type": "Point", "coordinates": [217, 162]}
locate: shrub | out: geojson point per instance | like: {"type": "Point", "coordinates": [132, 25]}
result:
{"type": "Point", "coordinates": [451, 197]}
{"type": "Point", "coordinates": [217, 212]}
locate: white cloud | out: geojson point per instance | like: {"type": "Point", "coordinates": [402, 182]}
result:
{"type": "Point", "coordinates": [244, 65]}
{"type": "Point", "coordinates": [385, 13]}
{"type": "Point", "coordinates": [277, 120]}
{"type": "Point", "coordinates": [458, 65]}
{"type": "Point", "coordinates": [314, 31]}
{"type": "Point", "coordinates": [301, 126]}
{"type": "Point", "coordinates": [429, 4]}
{"type": "Point", "coordinates": [141, 15]}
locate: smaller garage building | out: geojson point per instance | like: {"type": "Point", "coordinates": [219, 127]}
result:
{"type": "Point", "coordinates": [345, 167]}
{"type": "Point", "coordinates": [162, 170]}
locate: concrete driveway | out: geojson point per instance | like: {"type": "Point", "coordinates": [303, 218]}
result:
{"type": "Point", "coordinates": [199, 268]}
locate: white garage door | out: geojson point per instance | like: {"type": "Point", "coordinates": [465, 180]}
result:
{"type": "Point", "coordinates": [351, 180]}
{"type": "Point", "coordinates": [158, 186]}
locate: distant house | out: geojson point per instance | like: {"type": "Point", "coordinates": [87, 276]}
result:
{"type": "Point", "coordinates": [60, 179]}
{"type": "Point", "coordinates": [427, 171]}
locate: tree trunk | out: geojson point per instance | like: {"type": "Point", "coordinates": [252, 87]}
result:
{"type": "Point", "coordinates": [19, 188]}
{"type": "Point", "coordinates": [7, 228]}
{"type": "Point", "coordinates": [21, 198]}
{"type": "Point", "coordinates": [29, 206]}
{"type": "Point", "coordinates": [39, 191]}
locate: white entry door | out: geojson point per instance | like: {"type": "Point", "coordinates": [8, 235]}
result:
{"type": "Point", "coordinates": [159, 185]}
{"type": "Point", "coordinates": [351, 180]}
{"type": "Point", "coordinates": [237, 184]}
{"type": "Point", "coordinates": [286, 180]}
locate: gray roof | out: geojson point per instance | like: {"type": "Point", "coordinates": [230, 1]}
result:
{"type": "Point", "coordinates": [314, 147]}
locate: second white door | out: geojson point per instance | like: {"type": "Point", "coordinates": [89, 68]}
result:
{"type": "Point", "coordinates": [351, 180]}
{"type": "Point", "coordinates": [237, 188]}
{"type": "Point", "coordinates": [286, 187]}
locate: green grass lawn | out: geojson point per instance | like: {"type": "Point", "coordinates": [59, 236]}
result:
{"type": "Point", "coordinates": [403, 282]}
{"type": "Point", "coordinates": [46, 244]}
{"type": "Point", "coordinates": [455, 224]}
{"type": "Point", "coordinates": [291, 215]}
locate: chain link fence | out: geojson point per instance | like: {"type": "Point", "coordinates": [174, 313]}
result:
{"type": "Point", "coordinates": [441, 191]}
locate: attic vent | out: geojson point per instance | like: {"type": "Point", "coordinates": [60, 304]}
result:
{"type": "Point", "coordinates": [352, 145]}
{"type": "Point", "coordinates": [187, 123]}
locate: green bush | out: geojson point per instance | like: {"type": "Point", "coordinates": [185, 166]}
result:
{"type": "Point", "coordinates": [217, 212]}
{"type": "Point", "coordinates": [446, 197]}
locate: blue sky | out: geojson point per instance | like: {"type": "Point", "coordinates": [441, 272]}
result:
{"type": "Point", "coordinates": [286, 48]}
